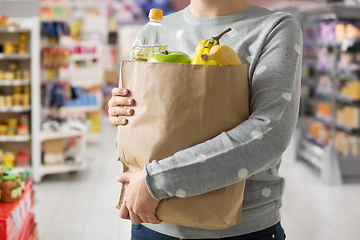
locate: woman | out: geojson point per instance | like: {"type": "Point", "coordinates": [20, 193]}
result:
{"type": "Point", "coordinates": [271, 44]}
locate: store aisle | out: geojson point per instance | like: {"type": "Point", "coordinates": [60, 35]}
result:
{"type": "Point", "coordinates": [81, 206]}
{"type": "Point", "coordinates": [314, 211]}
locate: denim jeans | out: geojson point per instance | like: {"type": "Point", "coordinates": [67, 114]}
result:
{"type": "Point", "coordinates": [276, 232]}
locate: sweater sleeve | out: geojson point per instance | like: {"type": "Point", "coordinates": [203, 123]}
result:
{"type": "Point", "coordinates": [254, 145]}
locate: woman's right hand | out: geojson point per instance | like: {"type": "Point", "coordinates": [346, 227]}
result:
{"type": "Point", "coordinates": [118, 106]}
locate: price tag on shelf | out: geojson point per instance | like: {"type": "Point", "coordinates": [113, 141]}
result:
{"type": "Point", "coordinates": [16, 217]}
{"type": "Point", "coordinates": [1, 55]}
{"type": "Point", "coordinates": [28, 201]}
{"type": "Point", "coordinates": [11, 29]}
{"type": "Point", "coordinates": [345, 44]}
{"type": "Point", "coordinates": [22, 209]}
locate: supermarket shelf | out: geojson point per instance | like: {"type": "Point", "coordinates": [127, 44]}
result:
{"type": "Point", "coordinates": [63, 168]}
{"type": "Point", "coordinates": [15, 138]}
{"type": "Point", "coordinates": [90, 108]}
{"type": "Point", "coordinates": [15, 56]}
{"type": "Point", "coordinates": [71, 3]}
{"type": "Point", "coordinates": [339, 126]}
{"type": "Point", "coordinates": [341, 98]}
{"type": "Point", "coordinates": [311, 152]}
{"type": "Point", "coordinates": [350, 166]}
{"type": "Point", "coordinates": [84, 56]}
{"type": "Point", "coordinates": [50, 135]}
{"type": "Point", "coordinates": [13, 30]}
{"type": "Point", "coordinates": [85, 83]}
{"type": "Point", "coordinates": [347, 100]}
{"type": "Point", "coordinates": [15, 109]}
{"type": "Point", "coordinates": [52, 45]}
{"type": "Point", "coordinates": [15, 82]}
{"type": "Point", "coordinates": [329, 11]}
{"type": "Point", "coordinates": [332, 165]}
{"type": "Point", "coordinates": [57, 19]}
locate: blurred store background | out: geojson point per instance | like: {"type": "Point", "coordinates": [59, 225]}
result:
{"type": "Point", "coordinates": [59, 60]}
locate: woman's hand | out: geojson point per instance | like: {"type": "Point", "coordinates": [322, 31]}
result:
{"type": "Point", "coordinates": [117, 106]}
{"type": "Point", "coordinates": [138, 204]}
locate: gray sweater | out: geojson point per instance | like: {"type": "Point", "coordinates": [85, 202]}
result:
{"type": "Point", "coordinates": [271, 44]}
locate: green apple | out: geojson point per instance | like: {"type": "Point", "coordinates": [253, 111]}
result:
{"type": "Point", "coordinates": [170, 56]}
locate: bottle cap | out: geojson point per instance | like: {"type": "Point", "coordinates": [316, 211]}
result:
{"type": "Point", "coordinates": [156, 14]}
{"type": "Point", "coordinates": [8, 177]}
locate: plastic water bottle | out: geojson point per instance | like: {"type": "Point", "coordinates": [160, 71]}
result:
{"type": "Point", "coordinates": [151, 38]}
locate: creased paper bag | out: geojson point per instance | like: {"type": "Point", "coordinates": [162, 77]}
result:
{"type": "Point", "coordinates": [178, 106]}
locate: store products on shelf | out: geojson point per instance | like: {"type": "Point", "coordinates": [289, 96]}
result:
{"type": "Point", "coordinates": [16, 96]}
{"type": "Point", "coordinates": [9, 189]}
{"type": "Point", "coordinates": [324, 110]}
{"type": "Point", "coordinates": [15, 126]}
{"type": "Point", "coordinates": [326, 32]}
{"type": "Point", "coordinates": [83, 98]}
{"type": "Point", "coordinates": [63, 150]}
{"type": "Point", "coordinates": [14, 72]}
{"type": "Point", "coordinates": [347, 144]}
{"type": "Point", "coordinates": [55, 57]}
{"type": "Point", "coordinates": [351, 89]}
{"type": "Point", "coordinates": [16, 47]}
{"type": "Point", "coordinates": [347, 61]}
{"type": "Point", "coordinates": [320, 132]}
{"type": "Point", "coordinates": [347, 30]}
{"type": "Point", "coordinates": [9, 159]}
{"type": "Point", "coordinates": [60, 94]}
{"type": "Point", "coordinates": [348, 116]}
{"type": "Point", "coordinates": [53, 152]}
{"type": "Point", "coordinates": [95, 120]}
{"type": "Point", "coordinates": [22, 157]}
{"type": "Point", "coordinates": [324, 84]}
{"type": "Point", "coordinates": [324, 56]}
{"type": "Point", "coordinates": [1, 169]}
{"type": "Point", "coordinates": [52, 31]}
{"type": "Point", "coordinates": [13, 183]}
{"type": "Point", "coordinates": [330, 31]}
{"type": "Point", "coordinates": [4, 20]}
{"type": "Point", "coordinates": [54, 95]}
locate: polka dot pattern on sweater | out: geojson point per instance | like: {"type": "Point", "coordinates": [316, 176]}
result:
{"type": "Point", "coordinates": [201, 158]}
{"type": "Point", "coordinates": [179, 33]}
{"type": "Point", "coordinates": [233, 33]}
{"type": "Point", "coordinates": [180, 193]}
{"type": "Point", "coordinates": [248, 59]}
{"type": "Point", "coordinates": [261, 69]}
{"type": "Point", "coordinates": [243, 173]}
{"type": "Point", "coordinates": [266, 192]}
{"type": "Point", "coordinates": [257, 135]}
{"type": "Point", "coordinates": [287, 96]}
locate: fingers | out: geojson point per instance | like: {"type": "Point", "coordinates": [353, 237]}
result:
{"type": "Point", "coordinates": [118, 121]}
{"type": "Point", "coordinates": [116, 109]}
{"type": "Point", "coordinates": [116, 101]}
{"type": "Point", "coordinates": [145, 217]}
{"type": "Point", "coordinates": [120, 111]}
{"type": "Point", "coordinates": [153, 219]}
{"type": "Point", "coordinates": [119, 91]}
{"type": "Point", "coordinates": [135, 219]}
{"type": "Point", "coordinates": [125, 177]}
{"type": "Point", "coordinates": [124, 212]}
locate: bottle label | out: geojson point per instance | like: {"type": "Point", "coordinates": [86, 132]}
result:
{"type": "Point", "coordinates": [14, 192]}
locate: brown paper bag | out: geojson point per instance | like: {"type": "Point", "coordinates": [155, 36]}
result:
{"type": "Point", "coordinates": [178, 106]}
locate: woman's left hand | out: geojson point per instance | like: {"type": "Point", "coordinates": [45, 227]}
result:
{"type": "Point", "coordinates": [138, 204]}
